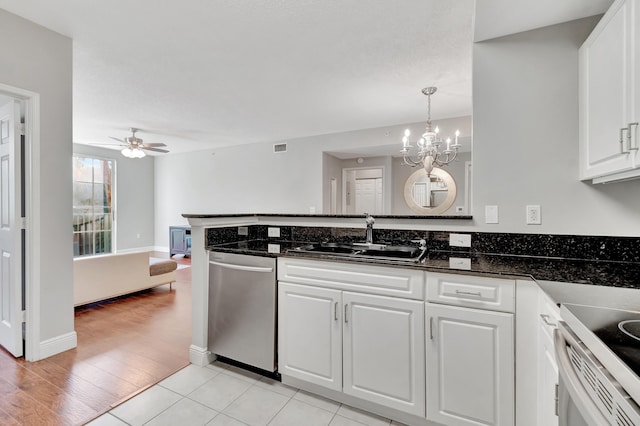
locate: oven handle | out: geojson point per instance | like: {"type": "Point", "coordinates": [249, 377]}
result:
{"type": "Point", "coordinates": [589, 411]}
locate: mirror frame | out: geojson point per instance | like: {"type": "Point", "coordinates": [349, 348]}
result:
{"type": "Point", "coordinates": [444, 206]}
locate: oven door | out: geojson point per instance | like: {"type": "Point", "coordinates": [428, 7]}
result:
{"type": "Point", "coordinates": [576, 407]}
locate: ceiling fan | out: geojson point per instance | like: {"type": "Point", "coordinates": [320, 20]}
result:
{"type": "Point", "coordinates": [134, 147]}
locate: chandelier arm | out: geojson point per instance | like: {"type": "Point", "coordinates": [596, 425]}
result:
{"type": "Point", "coordinates": [411, 162]}
{"type": "Point", "coordinates": [447, 161]}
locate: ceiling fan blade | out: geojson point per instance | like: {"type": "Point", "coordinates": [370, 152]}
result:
{"type": "Point", "coordinates": [106, 143]}
{"type": "Point", "coordinates": [154, 149]}
{"type": "Point", "coordinates": [153, 145]}
{"type": "Point", "coordinates": [119, 140]}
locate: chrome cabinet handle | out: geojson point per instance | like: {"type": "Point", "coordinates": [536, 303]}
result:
{"type": "Point", "coordinates": [430, 328]}
{"type": "Point", "coordinates": [622, 130]}
{"type": "Point", "coordinates": [335, 311]}
{"type": "Point", "coordinates": [346, 319]}
{"type": "Point", "coordinates": [545, 319]}
{"type": "Point", "coordinates": [629, 136]}
{"type": "Point", "coordinates": [469, 293]}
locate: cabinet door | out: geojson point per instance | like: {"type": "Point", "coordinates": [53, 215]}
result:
{"type": "Point", "coordinates": [310, 334]}
{"type": "Point", "coordinates": [470, 366]}
{"type": "Point", "coordinates": [605, 94]}
{"type": "Point", "coordinates": [384, 351]}
{"type": "Point", "coordinates": [547, 366]}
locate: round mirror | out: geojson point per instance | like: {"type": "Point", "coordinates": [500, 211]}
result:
{"type": "Point", "coordinates": [432, 194]}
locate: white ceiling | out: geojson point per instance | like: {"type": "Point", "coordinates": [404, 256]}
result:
{"type": "Point", "coordinates": [201, 74]}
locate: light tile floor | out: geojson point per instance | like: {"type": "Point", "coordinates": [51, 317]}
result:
{"type": "Point", "coordinates": [222, 395]}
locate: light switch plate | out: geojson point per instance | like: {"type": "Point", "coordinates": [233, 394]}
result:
{"type": "Point", "coordinates": [273, 232]}
{"type": "Point", "coordinates": [460, 240]}
{"type": "Point", "coordinates": [490, 214]}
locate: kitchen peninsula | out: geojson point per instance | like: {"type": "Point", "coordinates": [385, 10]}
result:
{"type": "Point", "coordinates": [497, 276]}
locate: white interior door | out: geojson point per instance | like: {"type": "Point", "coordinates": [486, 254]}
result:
{"type": "Point", "coordinates": [369, 196]}
{"type": "Point", "coordinates": [10, 229]}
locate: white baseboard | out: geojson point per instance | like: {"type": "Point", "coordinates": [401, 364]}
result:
{"type": "Point", "coordinates": [164, 249]}
{"type": "Point", "coordinates": [58, 344]}
{"type": "Point", "coordinates": [136, 250]}
{"type": "Point", "coordinates": [200, 356]}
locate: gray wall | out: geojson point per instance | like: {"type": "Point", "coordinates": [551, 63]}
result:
{"type": "Point", "coordinates": [134, 203]}
{"type": "Point", "coordinates": [525, 104]}
{"type": "Point", "coordinates": [525, 151]}
{"type": "Point", "coordinates": [252, 178]}
{"type": "Point", "coordinates": [36, 59]}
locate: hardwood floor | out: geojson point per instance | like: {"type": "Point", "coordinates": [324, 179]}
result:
{"type": "Point", "coordinates": [124, 346]}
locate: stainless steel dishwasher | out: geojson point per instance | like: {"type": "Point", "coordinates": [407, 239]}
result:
{"type": "Point", "coordinates": [242, 308]}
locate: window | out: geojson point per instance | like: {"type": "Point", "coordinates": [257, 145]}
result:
{"type": "Point", "coordinates": [92, 205]}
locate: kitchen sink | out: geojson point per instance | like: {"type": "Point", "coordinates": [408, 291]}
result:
{"type": "Point", "coordinates": [328, 248]}
{"type": "Point", "coordinates": [360, 250]}
{"type": "Point", "coordinates": [401, 252]}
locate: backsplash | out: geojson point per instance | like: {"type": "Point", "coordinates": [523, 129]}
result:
{"type": "Point", "coordinates": [620, 249]}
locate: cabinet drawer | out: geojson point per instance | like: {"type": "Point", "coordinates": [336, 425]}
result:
{"type": "Point", "coordinates": [386, 281]}
{"type": "Point", "coordinates": [469, 291]}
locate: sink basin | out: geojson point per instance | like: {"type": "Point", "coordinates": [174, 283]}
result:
{"type": "Point", "coordinates": [329, 248]}
{"type": "Point", "coordinates": [363, 250]}
{"type": "Point", "coordinates": [400, 252]}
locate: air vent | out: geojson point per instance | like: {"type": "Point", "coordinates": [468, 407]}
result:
{"type": "Point", "coordinates": [622, 418]}
{"type": "Point", "coordinates": [280, 147]}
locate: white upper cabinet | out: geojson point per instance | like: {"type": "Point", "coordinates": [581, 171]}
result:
{"type": "Point", "coordinates": [609, 96]}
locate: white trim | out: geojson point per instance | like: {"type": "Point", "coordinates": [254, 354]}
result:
{"type": "Point", "coordinates": [58, 344]}
{"type": "Point", "coordinates": [32, 191]}
{"type": "Point", "coordinates": [136, 250]}
{"type": "Point", "coordinates": [200, 356]}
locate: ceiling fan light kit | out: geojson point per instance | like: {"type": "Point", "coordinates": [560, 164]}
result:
{"type": "Point", "coordinates": [135, 147]}
{"type": "Point", "coordinates": [133, 153]}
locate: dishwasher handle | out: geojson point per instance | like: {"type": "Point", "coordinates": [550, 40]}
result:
{"type": "Point", "coordinates": [241, 267]}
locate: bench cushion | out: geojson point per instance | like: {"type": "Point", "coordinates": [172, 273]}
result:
{"type": "Point", "coordinates": [161, 266]}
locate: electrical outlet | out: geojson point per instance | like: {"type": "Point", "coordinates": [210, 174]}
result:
{"type": "Point", "coordinates": [460, 240]}
{"type": "Point", "coordinates": [490, 214]}
{"type": "Point", "coordinates": [459, 263]}
{"type": "Point", "coordinates": [533, 215]}
{"type": "Point", "coordinates": [273, 232]}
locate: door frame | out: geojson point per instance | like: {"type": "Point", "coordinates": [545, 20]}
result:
{"type": "Point", "coordinates": [32, 214]}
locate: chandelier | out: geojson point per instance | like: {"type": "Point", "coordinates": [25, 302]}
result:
{"type": "Point", "coordinates": [134, 152]}
{"type": "Point", "coordinates": [429, 154]}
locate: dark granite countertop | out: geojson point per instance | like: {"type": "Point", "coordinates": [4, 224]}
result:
{"type": "Point", "coordinates": [593, 272]}
{"type": "Point", "coordinates": [339, 216]}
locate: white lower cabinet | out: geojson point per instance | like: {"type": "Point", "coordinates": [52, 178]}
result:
{"type": "Point", "coordinates": [310, 334]}
{"type": "Point", "coordinates": [370, 347]}
{"type": "Point", "coordinates": [383, 351]}
{"type": "Point", "coordinates": [549, 315]}
{"type": "Point", "coordinates": [470, 350]}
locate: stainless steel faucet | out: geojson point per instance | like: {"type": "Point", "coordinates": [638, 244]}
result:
{"type": "Point", "coordinates": [369, 220]}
